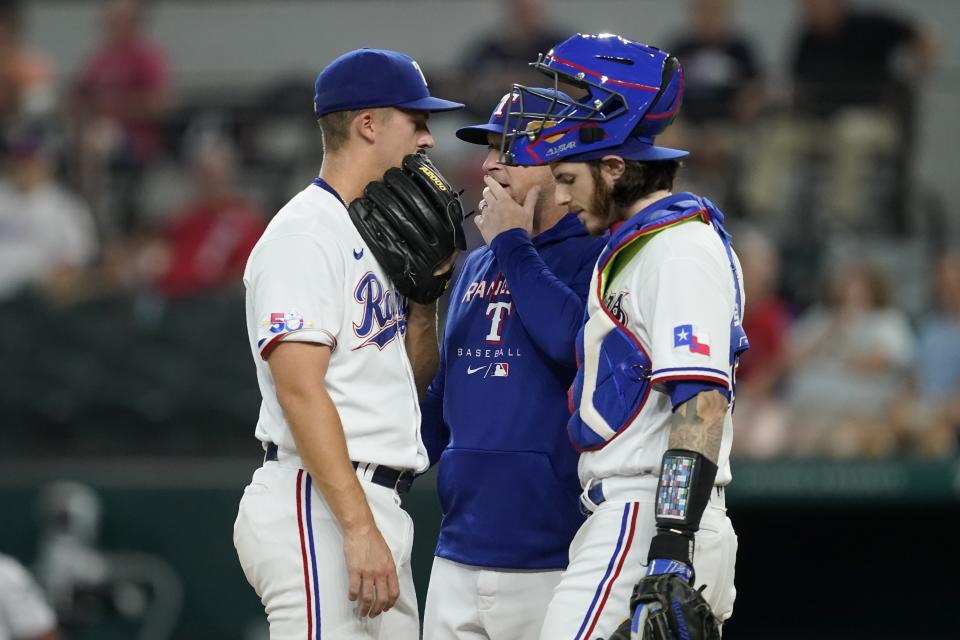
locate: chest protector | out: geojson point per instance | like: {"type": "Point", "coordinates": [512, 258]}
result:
{"type": "Point", "coordinates": [613, 379]}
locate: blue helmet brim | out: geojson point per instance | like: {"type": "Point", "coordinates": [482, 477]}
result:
{"type": "Point", "coordinates": [631, 149]}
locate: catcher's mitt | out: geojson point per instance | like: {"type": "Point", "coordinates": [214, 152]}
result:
{"type": "Point", "coordinates": [412, 222]}
{"type": "Point", "coordinates": [666, 607]}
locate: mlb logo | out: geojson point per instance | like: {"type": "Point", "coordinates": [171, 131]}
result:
{"type": "Point", "coordinates": [501, 369]}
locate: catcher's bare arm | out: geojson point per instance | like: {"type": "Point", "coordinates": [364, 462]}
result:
{"type": "Point", "coordinates": [697, 424]}
{"type": "Point", "coordinates": [687, 474]}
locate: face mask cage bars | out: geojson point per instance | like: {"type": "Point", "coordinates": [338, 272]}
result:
{"type": "Point", "coordinates": [573, 110]}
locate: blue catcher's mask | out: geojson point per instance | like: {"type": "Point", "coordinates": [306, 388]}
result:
{"type": "Point", "coordinates": [633, 93]}
{"type": "Point", "coordinates": [539, 100]}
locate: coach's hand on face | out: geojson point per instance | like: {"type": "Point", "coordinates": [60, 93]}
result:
{"type": "Point", "coordinates": [372, 572]}
{"type": "Point", "coordinates": [500, 212]}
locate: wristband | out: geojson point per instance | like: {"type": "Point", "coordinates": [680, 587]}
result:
{"type": "Point", "coordinates": [686, 479]}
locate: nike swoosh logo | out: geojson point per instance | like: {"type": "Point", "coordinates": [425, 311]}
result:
{"type": "Point", "coordinates": [358, 254]}
{"type": "Point", "coordinates": [473, 370]}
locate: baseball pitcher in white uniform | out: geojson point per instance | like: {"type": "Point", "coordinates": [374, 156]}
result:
{"type": "Point", "coordinates": [653, 395]}
{"type": "Point", "coordinates": [341, 359]}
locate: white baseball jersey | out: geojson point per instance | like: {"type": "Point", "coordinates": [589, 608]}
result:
{"type": "Point", "coordinates": [311, 278]}
{"type": "Point", "coordinates": [24, 612]}
{"type": "Point", "coordinates": [676, 295]}
{"type": "Point", "coordinates": [674, 292]}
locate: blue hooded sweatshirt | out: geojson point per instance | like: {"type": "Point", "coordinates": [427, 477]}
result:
{"type": "Point", "coordinates": [495, 415]}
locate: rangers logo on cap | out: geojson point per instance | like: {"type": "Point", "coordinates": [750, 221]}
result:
{"type": "Point", "coordinates": [420, 71]}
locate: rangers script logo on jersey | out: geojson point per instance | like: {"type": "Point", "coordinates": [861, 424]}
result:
{"type": "Point", "coordinates": [383, 313]}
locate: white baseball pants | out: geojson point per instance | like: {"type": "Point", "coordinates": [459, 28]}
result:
{"type": "Point", "coordinates": [476, 603]}
{"type": "Point", "coordinates": [608, 556]}
{"type": "Point", "coordinates": [291, 550]}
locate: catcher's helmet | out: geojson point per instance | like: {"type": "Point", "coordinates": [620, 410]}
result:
{"type": "Point", "coordinates": [633, 92]}
{"type": "Point", "coordinates": [538, 100]}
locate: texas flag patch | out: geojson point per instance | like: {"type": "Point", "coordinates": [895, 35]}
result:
{"type": "Point", "coordinates": [686, 336]}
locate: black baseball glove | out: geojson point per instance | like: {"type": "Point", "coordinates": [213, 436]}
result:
{"type": "Point", "coordinates": [412, 221]}
{"type": "Point", "coordinates": [666, 607]}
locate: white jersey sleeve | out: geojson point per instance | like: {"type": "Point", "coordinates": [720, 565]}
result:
{"type": "Point", "coordinates": [676, 295]}
{"type": "Point", "coordinates": [24, 612]}
{"type": "Point", "coordinates": [690, 304]}
{"type": "Point", "coordinates": [296, 290]}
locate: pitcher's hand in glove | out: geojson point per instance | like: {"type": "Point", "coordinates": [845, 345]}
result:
{"type": "Point", "coordinates": [412, 221]}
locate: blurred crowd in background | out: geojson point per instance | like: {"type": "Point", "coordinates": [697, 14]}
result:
{"type": "Point", "coordinates": [127, 213]}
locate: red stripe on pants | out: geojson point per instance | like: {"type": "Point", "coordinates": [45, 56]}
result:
{"type": "Point", "coordinates": [303, 555]}
{"type": "Point", "coordinates": [613, 578]}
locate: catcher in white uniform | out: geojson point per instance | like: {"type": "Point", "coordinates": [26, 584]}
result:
{"type": "Point", "coordinates": [653, 396]}
{"type": "Point", "coordinates": [340, 357]}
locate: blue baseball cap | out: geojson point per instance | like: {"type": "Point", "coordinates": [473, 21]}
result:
{"type": "Point", "coordinates": [540, 100]}
{"type": "Point", "coordinates": [369, 78]}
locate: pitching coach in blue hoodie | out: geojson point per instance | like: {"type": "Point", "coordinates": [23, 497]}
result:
{"type": "Point", "coordinates": [495, 415]}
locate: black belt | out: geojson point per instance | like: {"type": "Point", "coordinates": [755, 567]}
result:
{"type": "Point", "coordinates": [388, 477]}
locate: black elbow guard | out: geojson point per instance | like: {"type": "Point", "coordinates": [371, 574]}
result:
{"type": "Point", "coordinates": [686, 479]}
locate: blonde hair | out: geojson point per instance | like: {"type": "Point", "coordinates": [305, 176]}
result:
{"type": "Point", "coordinates": [335, 128]}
